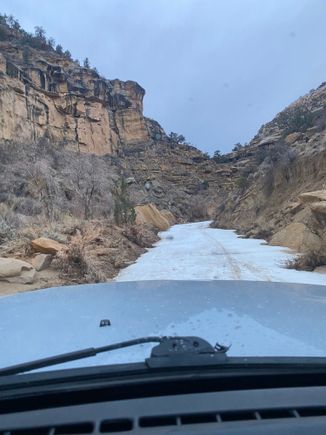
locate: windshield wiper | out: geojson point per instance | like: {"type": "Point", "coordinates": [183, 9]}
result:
{"type": "Point", "coordinates": [171, 351]}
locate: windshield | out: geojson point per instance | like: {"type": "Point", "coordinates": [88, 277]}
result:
{"type": "Point", "coordinates": [162, 173]}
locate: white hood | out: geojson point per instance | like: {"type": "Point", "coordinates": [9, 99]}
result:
{"type": "Point", "coordinates": [256, 318]}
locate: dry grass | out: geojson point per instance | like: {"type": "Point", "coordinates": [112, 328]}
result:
{"type": "Point", "coordinates": [75, 263]}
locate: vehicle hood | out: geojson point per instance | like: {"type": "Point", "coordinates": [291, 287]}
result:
{"type": "Point", "coordinates": [255, 318]}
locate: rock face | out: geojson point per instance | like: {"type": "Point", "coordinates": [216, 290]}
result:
{"type": "Point", "coordinates": [16, 271]}
{"type": "Point", "coordinates": [51, 97]}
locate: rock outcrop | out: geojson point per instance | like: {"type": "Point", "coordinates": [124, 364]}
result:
{"type": "Point", "coordinates": [49, 97]}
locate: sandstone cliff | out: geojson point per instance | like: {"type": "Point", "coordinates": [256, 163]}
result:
{"type": "Point", "coordinates": [45, 95]}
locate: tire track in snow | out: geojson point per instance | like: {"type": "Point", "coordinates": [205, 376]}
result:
{"type": "Point", "coordinates": [232, 262]}
{"type": "Point", "coordinates": [237, 266]}
{"type": "Point", "coordinates": [255, 270]}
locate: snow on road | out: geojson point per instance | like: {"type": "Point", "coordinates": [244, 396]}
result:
{"type": "Point", "coordinates": [195, 251]}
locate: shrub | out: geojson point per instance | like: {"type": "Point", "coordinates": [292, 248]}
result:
{"type": "Point", "coordinates": [308, 260]}
{"type": "Point", "coordinates": [237, 147]}
{"type": "Point", "coordinates": [9, 223]}
{"type": "Point", "coordinates": [74, 263]}
{"type": "Point", "coordinates": [7, 232]}
{"type": "Point", "coordinates": [297, 119]}
{"type": "Point", "coordinates": [177, 138]}
{"type": "Point", "coordinates": [124, 212]}
{"type": "Point", "coordinates": [28, 207]}
{"type": "Point", "coordinates": [134, 233]}
{"type": "Point", "coordinates": [218, 157]}
{"type": "Point", "coordinates": [242, 182]}
{"type": "Point", "coordinates": [205, 185]}
{"type": "Point", "coordinates": [197, 209]}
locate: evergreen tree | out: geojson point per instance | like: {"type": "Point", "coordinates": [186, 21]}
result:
{"type": "Point", "coordinates": [124, 212]}
{"type": "Point", "coordinates": [86, 63]}
{"type": "Point", "coordinates": [59, 49]}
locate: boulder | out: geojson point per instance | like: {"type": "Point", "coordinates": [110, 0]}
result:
{"type": "Point", "coordinates": [320, 269]}
{"type": "Point", "coordinates": [149, 214]}
{"type": "Point", "coordinates": [47, 246]}
{"type": "Point", "coordinates": [296, 236]}
{"type": "Point", "coordinates": [41, 261]}
{"type": "Point", "coordinates": [169, 216]}
{"type": "Point", "coordinates": [16, 271]}
{"type": "Point", "coordinates": [318, 207]}
{"type": "Point", "coordinates": [315, 196]}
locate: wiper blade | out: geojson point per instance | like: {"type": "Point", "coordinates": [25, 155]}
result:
{"type": "Point", "coordinates": [168, 351]}
{"type": "Point", "coordinates": [74, 356]}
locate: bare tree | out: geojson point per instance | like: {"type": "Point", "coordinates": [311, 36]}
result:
{"type": "Point", "coordinates": [86, 184]}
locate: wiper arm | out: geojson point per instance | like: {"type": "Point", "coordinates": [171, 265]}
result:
{"type": "Point", "coordinates": [73, 356]}
{"type": "Point", "coordinates": [171, 351]}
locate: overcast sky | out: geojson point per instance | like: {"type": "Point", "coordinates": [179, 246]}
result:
{"type": "Point", "coordinates": [213, 70]}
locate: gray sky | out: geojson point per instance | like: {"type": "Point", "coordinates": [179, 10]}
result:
{"type": "Point", "coordinates": [213, 70]}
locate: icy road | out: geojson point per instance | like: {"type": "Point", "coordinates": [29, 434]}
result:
{"type": "Point", "coordinates": [195, 251]}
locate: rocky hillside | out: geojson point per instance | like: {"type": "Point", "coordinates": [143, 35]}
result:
{"type": "Point", "coordinates": [272, 175]}
{"type": "Point", "coordinates": [51, 108]}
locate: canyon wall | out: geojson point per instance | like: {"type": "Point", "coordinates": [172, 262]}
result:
{"type": "Point", "coordinates": [44, 95]}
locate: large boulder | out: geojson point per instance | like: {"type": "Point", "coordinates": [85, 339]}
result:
{"type": "Point", "coordinates": [296, 236]}
{"type": "Point", "coordinates": [149, 214]}
{"type": "Point", "coordinates": [16, 271]}
{"type": "Point", "coordinates": [169, 216]}
{"type": "Point", "coordinates": [47, 246]}
{"type": "Point", "coordinates": [315, 196]}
